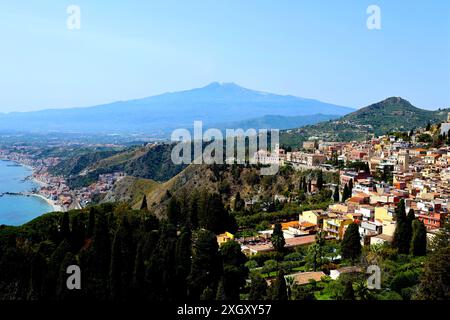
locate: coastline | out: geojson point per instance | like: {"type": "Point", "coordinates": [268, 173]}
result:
{"type": "Point", "coordinates": [55, 207]}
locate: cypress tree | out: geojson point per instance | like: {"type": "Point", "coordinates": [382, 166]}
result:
{"type": "Point", "coordinates": [419, 239]}
{"type": "Point", "coordinates": [91, 222]}
{"type": "Point", "coordinates": [144, 205]}
{"type": "Point", "coordinates": [305, 185]}
{"type": "Point", "coordinates": [345, 193]}
{"type": "Point", "coordinates": [115, 276]}
{"type": "Point", "coordinates": [123, 257]}
{"type": "Point", "coordinates": [65, 226]}
{"type": "Point", "coordinates": [54, 265]}
{"type": "Point", "coordinates": [77, 234]}
{"type": "Point", "coordinates": [221, 294]}
{"type": "Point", "coordinates": [409, 226]}
{"type": "Point", "coordinates": [173, 211]}
{"type": "Point", "coordinates": [193, 211]}
{"type": "Point", "coordinates": [320, 180]}
{"type": "Point", "coordinates": [183, 252]}
{"type": "Point", "coordinates": [238, 202]}
{"type": "Point", "coordinates": [336, 194]}
{"type": "Point", "coordinates": [205, 263]}
{"type": "Point", "coordinates": [207, 294]}
{"type": "Point", "coordinates": [350, 187]}
{"type": "Point", "coordinates": [97, 260]}
{"type": "Point", "coordinates": [349, 292]}
{"type": "Point", "coordinates": [277, 238]}
{"type": "Point", "coordinates": [279, 287]}
{"type": "Point", "coordinates": [403, 229]}
{"type": "Point", "coordinates": [234, 270]}
{"type": "Point", "coordinates": [258, 288]}
{"type": "Point", "coordinates": [139, 273]}
{"type": "Point", "coordinates": [62, 292]}
{"type": "Point", "coordinates": [351, 244]}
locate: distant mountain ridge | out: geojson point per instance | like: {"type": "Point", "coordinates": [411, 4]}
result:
{"type": "Point", "coordinates": [391, 114]}
{"type": "Point", "coordinates": [278, 122]}
{"type": "Point", "coordinates": [213, 104]}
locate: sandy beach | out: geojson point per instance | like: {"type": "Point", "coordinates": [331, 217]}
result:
{"type": "Point", "coordinates": [53, 204]}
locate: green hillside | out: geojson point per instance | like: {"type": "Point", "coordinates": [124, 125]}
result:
{"type": "Point", "coordinates": [392, 114]}
{"type": "Point", "coordinates": [149, 162]}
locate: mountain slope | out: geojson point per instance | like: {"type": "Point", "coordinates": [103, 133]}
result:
{"type": "Point", "coordinates": [159, 115]}
{"type": "Point", "coordinates": [391, 114]}
{"type": "Point", "coordinates": [152, 161]}
{"type": "Point", "coordinates": [278, 122]}
{"type": "Point", "coordinates": [394, 114]}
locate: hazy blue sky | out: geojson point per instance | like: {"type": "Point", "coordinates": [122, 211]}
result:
{"type": "Point", "coordinates": [314, 49]}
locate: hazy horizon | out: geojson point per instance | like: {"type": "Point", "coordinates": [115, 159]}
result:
{"type": "Point", "coordinates": [168, 92]}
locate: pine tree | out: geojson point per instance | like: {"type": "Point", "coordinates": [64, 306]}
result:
{"type": "Point", "coordinates": [277, 238]}
{"type": "Point", "coordinates": [336, 194]}
{"type": "Point", "coordinates": [351, 244]}
{"type": "Point", "coordinates": [419, 239]}
{"type": "Point", "coordinates": [442, 238]}
{"type": "Point", "coordinates": [434, 281]}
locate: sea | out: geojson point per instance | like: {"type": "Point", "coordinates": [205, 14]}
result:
{"type": "Point", "coordinates": [16, 210]}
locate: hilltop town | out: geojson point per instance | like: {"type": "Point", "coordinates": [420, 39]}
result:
{"type": "Point", "coordinates": [413, 166]}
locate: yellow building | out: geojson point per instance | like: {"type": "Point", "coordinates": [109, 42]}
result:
{"type": "Point", "coordinates": [312, 216]}
{"type": "Point", "coordinates": [388, 228]}
{"type": "Point", "coordinates": [383, 214]}
{"type": "Point", "coordinates": [335, 227]}
{"type": "Point", "coordinates": [338, 208]}
{"type": "Point", "coordinates": [224, 237]}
